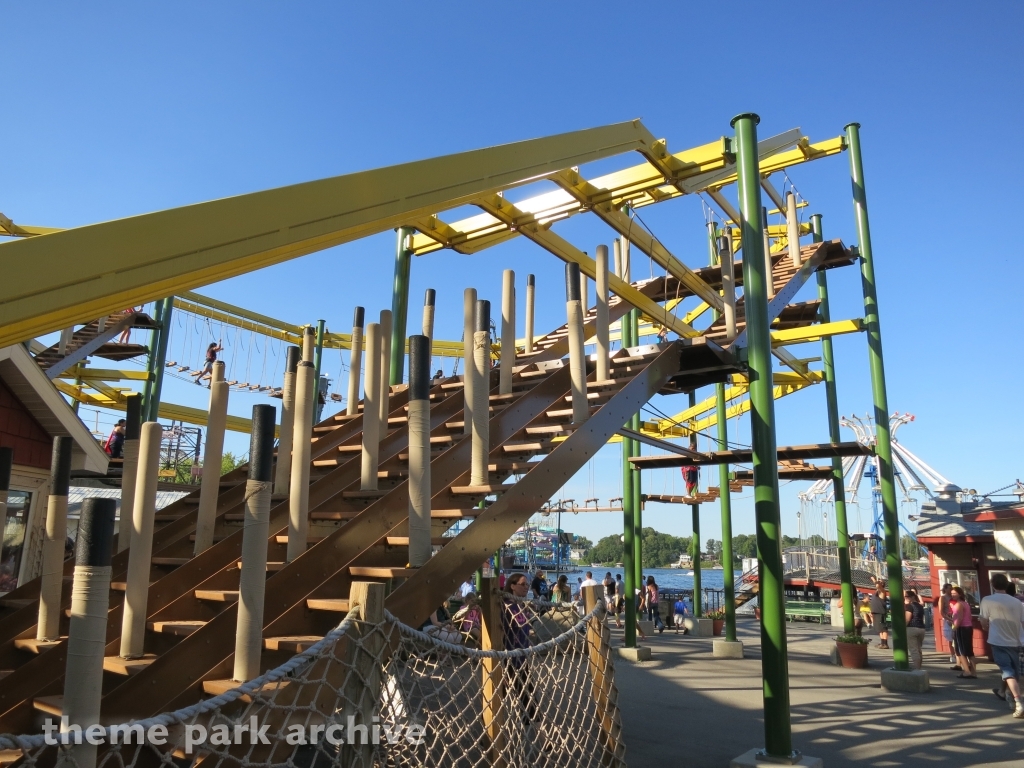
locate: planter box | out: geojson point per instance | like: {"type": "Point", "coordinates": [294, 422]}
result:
{"type": "Point", "coordinates": [852, 655]}
{"type": "Point", "coordinates": [717, 627]}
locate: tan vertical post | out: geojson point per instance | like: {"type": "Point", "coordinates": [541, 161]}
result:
{"type": "Point", "coordinates": [298, 491]}
{"type": "Point", "coordinates": [606, 696]}
{"type": "Point", "coordinates": [601, 321]}
{"type": "Point", "coordinates": [419, 451]}
{"type": "Point", "coordinates": [493, 689]}
{"type": "Point", "coordinates": [87, 634]}
{"type": "Point", "coordinates": [354, 362]}
{"type": "Point", "coordinates": [728, 267]}
{"type": "Point", "coordinates": [252, 582]}
{"type": "Point", "coordinates": [626, 271]}
{"type": "Point", "coordinates": [481, 447]}
{"type": "Point", "coordinates": [577, 353]}
{"type": "Point", "coordinates": [767, 253]}
{"type": "Point", "coordinates": [363, 656]}
{"type": "Point", "coordinates": [584, 292]}
{"type": "Point", "coordinates": [793, 230]}
{"type": "Point", "coordinates": [210, 489]}
{"type": "Point", "coordinates": [508, 331]}
{"type": "Point", "coordinates": [129, 468]}
{"type": "Point", "coordinates": [136, 593]}
{"type": "Point", "coordinates": [429, 298]}
{"type": "Point", "coordinates": [468, 366]}
{"type": "Point", "coordinates": [283, 470]}
{"type": "Point", "coordinates": [385, 371]}
{"type": "Point", "coordinates": [371, 410]}
{"type": "Point", "coordinates": [48, 623]}
{"type": "Point", "coordinates": [531, 299]}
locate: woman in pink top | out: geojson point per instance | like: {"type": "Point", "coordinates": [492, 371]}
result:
{"type": "Point", "coordinates": [963, 632]}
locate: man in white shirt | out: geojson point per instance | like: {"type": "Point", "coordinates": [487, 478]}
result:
{"type": "Point", "coordinates": [588, 582]}
{"type": "Point", "coordinates": [1002, 616]}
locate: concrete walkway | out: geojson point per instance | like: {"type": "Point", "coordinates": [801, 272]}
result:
{"type": "Point", "coordinates": [685, 708]}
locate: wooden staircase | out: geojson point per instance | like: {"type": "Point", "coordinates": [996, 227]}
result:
{"type": "Point", "coordinates": [87, 335]}
{"type": "Point", "coordinates": [353, 534]}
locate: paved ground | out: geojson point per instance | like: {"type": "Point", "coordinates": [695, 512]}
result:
{"type": "Point", "coordinates": [685, 708]}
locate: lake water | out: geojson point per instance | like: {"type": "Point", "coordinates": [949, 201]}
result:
{"type": "Point", "coordinates": [667, 578]}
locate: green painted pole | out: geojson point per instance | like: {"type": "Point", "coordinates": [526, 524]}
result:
{"type": "Point", "coordinates": [628, 550]}
{"type": "Point", "coordinates": [400, 304]}
{"type": "Point", "coordinates": [724, 498]}
{"type": "Point", "coordinates": [883, 444]}
{"type": "Point", "coordinates": [698, 594]}
{"type": "Point", "coordinates": [838, 482]}
{"type": "Point", "coordinates": [318, 359]}
{"type": "Point", "coordinates": [161, 356]}
{"type": "Point", "coordinates": [774, 658]}
{"type": "Point", "coordinates": [638, 507]}
{"type": "Point", "coordinates": [728, 571]}
{"type": "Point", "coordinates": [154, 335]}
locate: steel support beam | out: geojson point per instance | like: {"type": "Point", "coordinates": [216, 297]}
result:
{"type": "Point", "coordinates": [883, 440]}
{"type": "Point", "coordinates": [774, 655]}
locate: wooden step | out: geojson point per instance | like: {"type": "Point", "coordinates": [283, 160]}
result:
{"type": "Point", "coordinates": [403, 541]}
{"type": "Point", "coordinates": [51, 705]}
{"type": "Point", "coordinates": [172, 561]}
{"type": "Point", "coordinates": [549, 429]}
{"type": "Point", "coordinates": [291, 643]}
{"type": "Point", "coordinates": [217, 595]}
{"type": "Point", "coordinates": [217, 687]}
{"type": "Point", "coordinates": [272, 566]}
{"type": "Point", "coordinates": [335, 605]}
{"type": "Point", "coordinates": [177, 628]}
{"type": "Point", "coordinates": [310, 540]}
{"type": "Point", "coordinates": [121, 586]}
{"type": "Point", "coordinates": [370, 572]}
{"type": "Point", "coordinates": [479, 490]}
{"type": "Point", "coordinates": [32, 645]}
{"type": "Point", "coordinates": [127, 667]}
{"type": "Point", "coordinates": [534, 446]}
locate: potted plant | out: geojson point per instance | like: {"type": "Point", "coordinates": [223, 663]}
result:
{"type": "Point", "coordinates": [717, 617]}
{"type": "Point", "coordinates": [852, 650]}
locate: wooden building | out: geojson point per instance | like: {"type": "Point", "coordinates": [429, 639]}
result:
{"type": "Point", "coordinates": [961, 539]}
{"type": "Point", "coordinates": [32, 413]}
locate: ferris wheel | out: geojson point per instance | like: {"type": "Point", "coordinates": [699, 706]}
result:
{"type": "Point", "coordinates": [911, 474]}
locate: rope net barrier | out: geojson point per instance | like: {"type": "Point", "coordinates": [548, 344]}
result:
{"type": "Point", "coordinates": [386, 694]}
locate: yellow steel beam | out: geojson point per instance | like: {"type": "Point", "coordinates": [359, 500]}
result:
{"type": "Point", "coordinates": [816, 332]}
{"type": "Point", "coordinates": [596, 199]}
{"type": "Point", "coordinates": [55, 280]}
{"type": "Point", "coordinates": [526, 224]}
{"type": "Point", "coordinates": [103, 374]}
{"type": "Point", "coordinates": [695, 170]}
{"type": "Point", "coordinates": [9, 229]}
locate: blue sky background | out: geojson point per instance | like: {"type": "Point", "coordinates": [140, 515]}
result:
{"type": "Point", "coordinates": [119, 109]}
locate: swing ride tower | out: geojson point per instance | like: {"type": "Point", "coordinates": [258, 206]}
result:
{"type": "Point", "coordinates": [534, 441]}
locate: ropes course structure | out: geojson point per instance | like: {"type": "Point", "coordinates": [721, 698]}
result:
{"type": "Point", "coordinates": [511, 683]}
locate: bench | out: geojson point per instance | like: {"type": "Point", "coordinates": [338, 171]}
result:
{"type": "Point", "coordinates": [806, 609]}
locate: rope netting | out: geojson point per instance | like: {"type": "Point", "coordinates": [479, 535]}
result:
{"type": "Point", "coordinates": [386, 694]}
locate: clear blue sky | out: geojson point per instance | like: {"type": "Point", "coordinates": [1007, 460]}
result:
{"type": "Point", "coordinates": [119, 109]}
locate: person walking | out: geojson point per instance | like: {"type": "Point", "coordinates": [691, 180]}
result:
{"type": "Point", "coordinates": [114, 447]}
{"type": "Point", "coordinates": [914, 613]}
{"type": "Point", "coordinates": [680, 612]}
{"type": "Point", "coordinates": [878, 611]}
{"type": "Point", "coordinates": [620, 601]}
{"type": "Point", "coordinates": [963, 633]}
{"type": "Point", "coordinates": [211, 358]}
{"type": "Point", "coordinates": [1002, 616]}
{"type": "Point", "coordinates": [941, 609]}
{"type": "Point", "coordinates": [653, 611]}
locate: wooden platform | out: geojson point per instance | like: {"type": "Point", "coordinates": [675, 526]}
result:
{"type": "Point", "coordinates": [816, 451]}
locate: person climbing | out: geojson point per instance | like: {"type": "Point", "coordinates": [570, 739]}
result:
{"type": "Point", "coordinates": [114, 447]}
{"type": "Point", "coordinates": [211, 358]}
{"type": "Point", "coordinates": [691, 476]}
{"type": "Point", "coordinates": [438, 376]}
